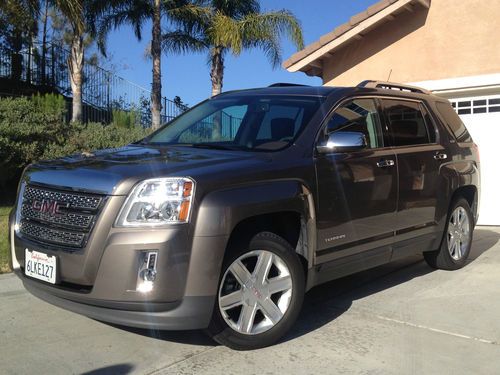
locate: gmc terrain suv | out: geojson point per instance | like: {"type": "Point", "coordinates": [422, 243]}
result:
{"type": "Point", "coordinates": [224, 218]}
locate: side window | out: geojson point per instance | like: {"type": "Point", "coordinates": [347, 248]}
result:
{"type": "Point", "coordinates": [451, 118]}
{"type": "Point", "coordinates": [358, 115]}
{"type": "Point", "coordinates": [407, 124]}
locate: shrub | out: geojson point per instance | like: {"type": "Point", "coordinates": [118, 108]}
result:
{"type": "Point", "coordinates": [50, 103]}
{"type": "Point", "coordinates": [32, 130]}
{"type": "Point", "coordinates": [125, 119]}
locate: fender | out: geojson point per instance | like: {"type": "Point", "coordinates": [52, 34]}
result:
{"type": "Point", "coordinates": [220, 211]}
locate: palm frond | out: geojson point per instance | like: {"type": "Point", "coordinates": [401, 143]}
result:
{"type": "Point", "coordinates": [279, 23]}
{"type": "Point", "coordinates": [225, 31]}
{"type": "Point", "coordinates": [178, 41]}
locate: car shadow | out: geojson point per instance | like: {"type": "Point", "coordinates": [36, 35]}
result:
{"type": "Point", "coordinates": [120, 369]}
{"type": "Point", "coordinates": [328, 301]}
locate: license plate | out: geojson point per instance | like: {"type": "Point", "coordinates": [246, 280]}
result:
{"type": "Point", "coordinates": [40, 266]}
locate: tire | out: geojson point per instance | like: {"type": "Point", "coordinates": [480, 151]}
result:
{"type": "Point", "coordinates": [259, 310]}
{"type": "Point", "coordinates": [457, 240]}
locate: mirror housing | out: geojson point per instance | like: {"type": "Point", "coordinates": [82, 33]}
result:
{"type": "Point", "coordinates": [342, 142]}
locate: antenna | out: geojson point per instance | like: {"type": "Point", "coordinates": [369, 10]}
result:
{"type": "Point", "coordinates": [389, 78]}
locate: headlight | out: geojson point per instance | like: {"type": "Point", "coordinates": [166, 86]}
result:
{"type": "Point", "coordinates": [158, 201]}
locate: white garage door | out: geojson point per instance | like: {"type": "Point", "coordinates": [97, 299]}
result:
{"type": "Point", "coordinates": [481, 115]}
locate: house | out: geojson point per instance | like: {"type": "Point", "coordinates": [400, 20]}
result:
{"type": "Point", "coordinates": [449, 47]}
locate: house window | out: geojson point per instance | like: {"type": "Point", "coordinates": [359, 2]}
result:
{"type": "Point", "coordinates": [474, 106]}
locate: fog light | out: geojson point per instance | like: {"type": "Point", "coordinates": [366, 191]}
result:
{"type": "Point", "coordinates": [147, 271]}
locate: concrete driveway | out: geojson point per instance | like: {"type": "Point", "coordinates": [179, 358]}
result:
{"type": "Point", "coordinates": [403, 318]}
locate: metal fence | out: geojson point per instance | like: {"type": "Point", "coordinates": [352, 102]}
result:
{"type": "Point", "coordinates": [46, 70]}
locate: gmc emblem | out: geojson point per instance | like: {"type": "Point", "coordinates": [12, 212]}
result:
{"type": "Point", "coordinates": [46, 206]}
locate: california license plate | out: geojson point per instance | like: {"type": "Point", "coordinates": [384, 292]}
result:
{"type": "Point", "coordinates": [40, 266]}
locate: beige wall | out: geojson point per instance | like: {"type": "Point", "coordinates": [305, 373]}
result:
{"type": "Point", "coordinates": [454, 38]}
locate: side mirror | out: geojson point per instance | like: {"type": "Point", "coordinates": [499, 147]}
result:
{"type": "Point", "coordinates": [342, 142]}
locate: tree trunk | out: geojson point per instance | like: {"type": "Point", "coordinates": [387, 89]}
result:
{"type": "Point", "coordinates": [217, 69]}
{"type": "Point", "coordinates": [76, 75]}
{"type": "Point", "coordinates": [44, 42]}
{"type": "Point", "coordinates": [156, 55]}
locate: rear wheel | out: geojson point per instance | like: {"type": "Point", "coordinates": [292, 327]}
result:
{"type": "Point", "coordinates": [260, 294]}
{"type": "Point", "coordinates": [457, 239]}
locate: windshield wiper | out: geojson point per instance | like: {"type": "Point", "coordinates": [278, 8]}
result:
{"type": "Point", "coordinates": [215, 146]}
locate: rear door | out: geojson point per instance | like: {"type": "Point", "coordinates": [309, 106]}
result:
{"type": "Point", "coordinates": [419, 154]}
{"type": "Point", "coordinates": [357, 190]}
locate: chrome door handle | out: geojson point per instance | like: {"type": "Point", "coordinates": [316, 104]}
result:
{"type": "Point", "coordinates": [385, 163]}
{"type": "Point", "coordinates": [440, 156]}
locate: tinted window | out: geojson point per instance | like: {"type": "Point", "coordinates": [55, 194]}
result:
{"type": "Point", "coordinates": [359, 115]}
{"type": "Point", "coordinates": [456, 125]}
{"type": "Point", "coordinates": [406, 123]}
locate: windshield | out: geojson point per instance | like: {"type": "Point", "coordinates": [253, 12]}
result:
{"type": "Point", "coordinates": [240, 122]}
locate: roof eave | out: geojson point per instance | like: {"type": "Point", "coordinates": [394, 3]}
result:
{"type": "Point", "coordinates": [310, 59]}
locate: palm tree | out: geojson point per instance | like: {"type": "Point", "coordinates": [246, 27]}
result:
{"type": "Point", "coordinates": [233, 26]}
{"type": "Point", "coordinates": [76, 14]}
{"type": "Point", "coordinates": [115, 13]}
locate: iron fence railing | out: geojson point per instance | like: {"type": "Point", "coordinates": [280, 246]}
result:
{"type": "Point", "coordinates": [46, 70]}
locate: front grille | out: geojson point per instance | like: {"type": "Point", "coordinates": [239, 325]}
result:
{"type": "Point", "coordinates": [58, 218]}
{"type": "Point", "coordinates": [55, 236]}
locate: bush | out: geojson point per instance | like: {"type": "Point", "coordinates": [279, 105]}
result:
{"type": "Point", "coordinates": [32, 130]}
{"type": "Point", "coordinates": [50, 103]}
{"type": "Point", "coordinates": [125, 119]}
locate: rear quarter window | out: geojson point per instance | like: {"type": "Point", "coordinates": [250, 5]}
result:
{"type": "Point", "coordinates": [455, 124]}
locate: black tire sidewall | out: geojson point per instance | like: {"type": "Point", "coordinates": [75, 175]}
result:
{"type": "Point", "coordinates": [218, 328]}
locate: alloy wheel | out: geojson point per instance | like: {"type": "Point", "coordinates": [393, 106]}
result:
{"type": "Point", "coordinates": [255, 292]}
{"type": "Point", "coordinates": [458, 233]}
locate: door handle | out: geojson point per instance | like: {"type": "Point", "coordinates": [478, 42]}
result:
{"type": "Point", "coordinates": [440, 156]}
{"type": "Point", "coordinates": [385, 163]}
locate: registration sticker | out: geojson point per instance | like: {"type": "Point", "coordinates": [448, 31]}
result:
{"type": "Point", "coordinates": [40, 266]}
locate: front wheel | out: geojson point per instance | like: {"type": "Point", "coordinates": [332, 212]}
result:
{"type": "Point", "coordinates": [260, 294]}
{"type": "Point", "coordinates": [457, 239]}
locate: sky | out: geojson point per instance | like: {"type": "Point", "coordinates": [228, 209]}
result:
{"type": "Point", "coordinates": [188, 75]}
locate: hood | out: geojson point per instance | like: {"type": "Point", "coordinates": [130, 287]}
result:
{"type": "Point", "coordinates": [115, 171]}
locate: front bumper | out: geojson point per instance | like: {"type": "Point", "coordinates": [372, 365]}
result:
{"type": "Point", "coordinates": [184, 291]}
{"type": "Point", "coordinates": [190, 313]}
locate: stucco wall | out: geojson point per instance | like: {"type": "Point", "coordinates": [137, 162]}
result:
{"type": "Point", "coordinates": [454, 38]}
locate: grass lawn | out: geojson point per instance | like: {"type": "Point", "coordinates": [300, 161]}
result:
{"type": "Point", "coordinates": [4, 239]}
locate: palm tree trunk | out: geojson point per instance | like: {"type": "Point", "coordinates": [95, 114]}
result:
{"type": "Point", "coordinates": [44, 41]}
{"type": "Point", "coordinates": [217, 69]}
{"type": "Point", "coordinates": [76, 75]}
{"type": "Point", "coordinates": [156, 54]}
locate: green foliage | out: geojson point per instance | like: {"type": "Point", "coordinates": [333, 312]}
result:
{"type": "Point", "coordinates": [50, 103]}
{"type": "Point", "coordinates": [29, 133]}
{"type": "Point", "coordinates": [233, 26]}
{"type": "Point", "coordinates": [125, 119]}
{"type": "Point", "coordinates": [4, 241]}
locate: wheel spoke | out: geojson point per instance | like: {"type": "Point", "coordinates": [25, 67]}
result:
{"type": "Point", "coordinates": [270, 310]}
{"type": "Point", "coordinates": [264, 263]}
{"type": "Point", "coordinates": [455, 217]}
{"type": "Point", "coordinates": [231, 300]}
{"type": "Point", "coordinates": [279, 284]}
{"type": "Point", "coordinates": [451, 244]}
{"type": "Point", "coordinates": [247, 317]}
{"type": "Point", "coordinates": [458, 249]}
{"type": "Point", "coordinates": [240, 272]}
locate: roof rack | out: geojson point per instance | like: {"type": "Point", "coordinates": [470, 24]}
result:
{"type": "Point", "coordinates": [284, 84]}
{"type": "Point", "coordinates": [393, 86]}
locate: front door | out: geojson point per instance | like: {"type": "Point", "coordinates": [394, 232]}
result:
{"type": "Point", "coordinates": [357, 191]}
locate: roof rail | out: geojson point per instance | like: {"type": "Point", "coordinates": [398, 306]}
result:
{"type": "Point", "coordinates": [393, 86]}
{"type": "Point", "coordinates": [284, 84]}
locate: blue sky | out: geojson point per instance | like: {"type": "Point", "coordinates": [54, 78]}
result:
{"type": "Point", "coordinates": [188, 75]}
